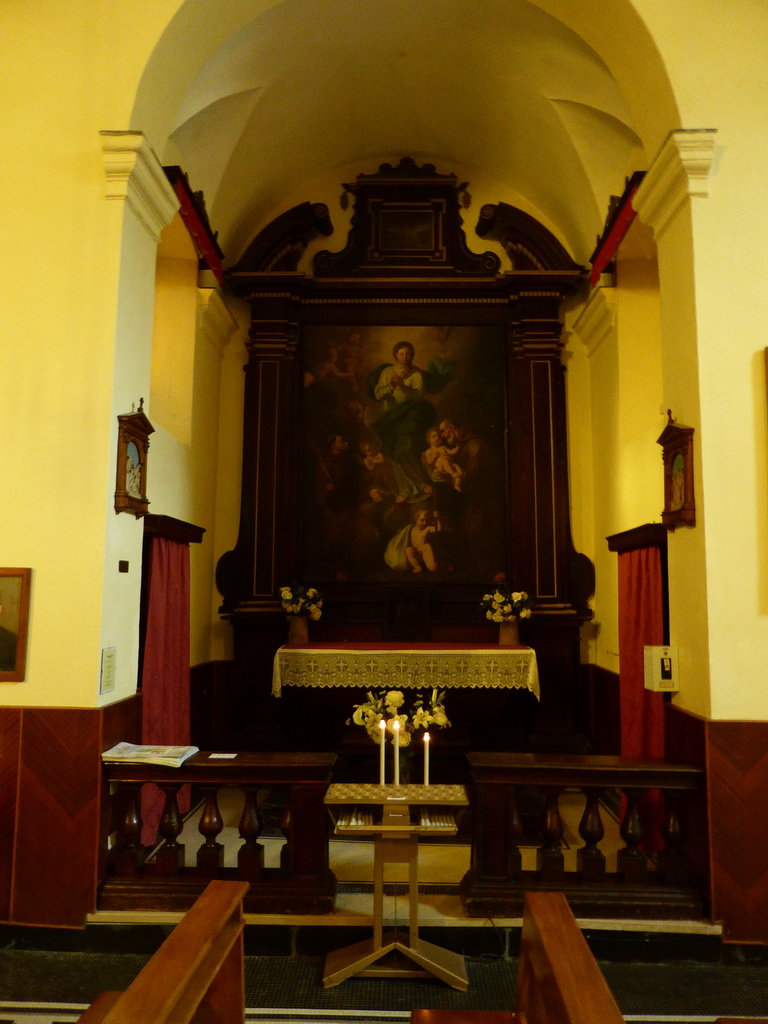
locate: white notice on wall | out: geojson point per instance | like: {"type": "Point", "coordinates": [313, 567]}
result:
{"type": "Point", "coordinates": [108, 663]}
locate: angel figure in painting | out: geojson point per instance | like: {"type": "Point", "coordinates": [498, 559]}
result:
{"type": "Point", "coordinates": [412, 546]}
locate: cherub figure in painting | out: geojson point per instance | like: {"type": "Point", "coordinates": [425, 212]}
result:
{"type": "Point", "coordinates": [412, 545]}
{"type": "Point", "coordinates": [419, 551]}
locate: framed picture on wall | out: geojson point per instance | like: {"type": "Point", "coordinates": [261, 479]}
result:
{"type": "Point", "coordinates": [14, 621]}
{"type": "Point", "coordinates": [404, 454]}
{"type": "Point", "coordinates": [132, 449]}
{"type": "Point", "coordinates": [677, 453]}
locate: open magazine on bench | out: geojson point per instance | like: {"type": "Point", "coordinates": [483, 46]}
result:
{"type": "Point", "coordinates": [134, 753]}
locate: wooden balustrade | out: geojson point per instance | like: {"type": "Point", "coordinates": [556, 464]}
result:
{"type": "Point", "coordinates": [515, 802]}
{"type": "Point", "coordinates": [505, 785]}
{"type": "Point", "coordinates": [303, 882]}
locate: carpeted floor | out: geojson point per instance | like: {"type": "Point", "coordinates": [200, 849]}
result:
{"type": "Point", "coordinates": [281, 988]}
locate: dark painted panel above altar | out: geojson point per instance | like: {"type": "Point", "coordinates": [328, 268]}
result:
{"type": "Point", "coordinates": [405, 433]}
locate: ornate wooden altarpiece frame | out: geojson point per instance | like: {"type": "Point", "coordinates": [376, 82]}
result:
{"type": "Point", "coordinates": [406, 269]}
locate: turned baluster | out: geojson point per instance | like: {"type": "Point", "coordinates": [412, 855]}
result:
{"type": "Point", "coordinates": [550, 855]}
{"type": "Point", "coordinates": [169, 859]}
{"type": "Point", "coordinates": [631, 862]}
{"type": "Point", "coordinates": [671, 864]}
{"type": "Point", "coordinates": [210, 856]}
{"type": "Point", "coordinates": [514, 835]}
{"type": "Point", "coordinates": [590, 860]}
{"type": "Point", "coordinates": [128, 853]}
{"type": "Point", "coordinates": [250, 856]}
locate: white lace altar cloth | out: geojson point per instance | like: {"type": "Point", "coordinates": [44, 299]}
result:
{"type": "Point", "coordinates": [415, 666]}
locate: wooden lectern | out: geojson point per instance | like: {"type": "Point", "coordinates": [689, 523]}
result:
{"type": "Point", "coordinates": [395, 816]}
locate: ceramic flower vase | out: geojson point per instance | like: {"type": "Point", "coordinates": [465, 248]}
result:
{"type": "Point", "coordinates": [298, 629]}
{"type": "Point", "coordinates": [508, 634]}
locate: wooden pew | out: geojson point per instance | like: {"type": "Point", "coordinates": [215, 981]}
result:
{"type": "Point", "coordinates": [196, 975]}
{"type": "Point", "coordinates": [558, 979]}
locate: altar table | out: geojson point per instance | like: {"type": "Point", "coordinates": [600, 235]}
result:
{"type": "Point", "coordinates": [394, 666]}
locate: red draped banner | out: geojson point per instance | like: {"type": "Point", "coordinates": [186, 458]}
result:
{"type": "Point", "coordinates": [165, 676]}
{"type": "Point", "coordinates": [641, 623]}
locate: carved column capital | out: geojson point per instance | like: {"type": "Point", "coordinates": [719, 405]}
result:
{"type": "Point", "coordinates": [681, 169]}
{"type": "Point", "coordinates": [135, 175]}
{"type": "Point", "coordinates": [215, 320]}
{"type": "Point", "coordinates": [598, 318]}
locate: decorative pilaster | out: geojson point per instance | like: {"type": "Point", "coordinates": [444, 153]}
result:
{"type": "Point", "coordinates": [680, 170]}
{"type": "Point", "coordinates": [596, 321]}
{"type": "Point", "coordinates": [135, 175]}
{"type": "Point", "coordinates": [214, 319]}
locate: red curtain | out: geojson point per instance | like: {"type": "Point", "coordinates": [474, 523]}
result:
{"type": "Point", "coordinates": [165, 675]}
{"type": "Point", "coordinates": [641, 623]}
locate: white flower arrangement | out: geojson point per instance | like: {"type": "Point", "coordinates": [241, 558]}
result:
{"type": "Point", "coordinates": [505, 605]}
{"type": "Point", "coordinates": [389, 706]}
{"type": "Point", "coordinates": [301, 600]}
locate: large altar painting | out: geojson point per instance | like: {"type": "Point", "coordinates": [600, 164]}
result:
{"type": "Point", "coordinates": [404, 457]}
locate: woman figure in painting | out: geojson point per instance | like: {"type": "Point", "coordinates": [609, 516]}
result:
{"type": "Point", "coordinates": [401, 387]}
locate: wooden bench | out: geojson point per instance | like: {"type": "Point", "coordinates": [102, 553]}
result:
{"type": "Point", "coordinates": [197, 973]}
{"type": "Point", "coordinates": [558, 979]}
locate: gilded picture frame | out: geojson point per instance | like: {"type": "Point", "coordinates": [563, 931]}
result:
{"type": "Point", "coordinates": [15, 588]}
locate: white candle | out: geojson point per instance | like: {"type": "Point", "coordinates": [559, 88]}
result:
{"type": "Point", "coordinates": [382, 741]}
{"type": "Point", "coordinates": [395, 740]}
{"type": "Point", "coordinates": [426, 758]}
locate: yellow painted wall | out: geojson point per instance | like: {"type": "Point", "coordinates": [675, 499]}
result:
{"type": "Point", "coordinates": [593, 424]}
{"type": "Point", "coordinates": [78, 316]}
{"type": "Point", "coordinates": [58, 355]}
{"type": "Point", "coordinates": [711, 263]}
{"type": "Point", "coordinates": [229, 458]}
{"type": "Point", "coordinates": [76, 352]}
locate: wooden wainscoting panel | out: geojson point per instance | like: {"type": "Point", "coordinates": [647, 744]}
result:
{"type": "Point", "coordinates": [10, 731]}
{"type": "Point", "coordinates": [738, 794]}
{"type": "Point", "coordinates": [685, 740]}
{"type": "Point", "coordinates": [119, 721]}
{"type": "Point", "coordinates": [602, 709]}
{"type": "Point", "coordinates": [58, 817]}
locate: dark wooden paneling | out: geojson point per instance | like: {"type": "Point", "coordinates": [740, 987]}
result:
{"type": "Point", "coordinates": [685, 739]}
{"type": "Point", "coordinates": [602, 709]}
{"type": "Point", "coordinates": [213, 705]}
{"type": "Point", "coordinates": [119, 721]}
{"type": "Point", "coordinates": [58, 817]}
{"type": "Point", "coordinates": [10, 732]}
{"type": "Point", "coordinates": [738, 795]}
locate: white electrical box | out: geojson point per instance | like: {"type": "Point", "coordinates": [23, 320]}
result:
{"type": "Point", "coordinates": [661, 673]}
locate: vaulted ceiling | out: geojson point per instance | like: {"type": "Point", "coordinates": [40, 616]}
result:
{"type": "Point", "coordinates": [494, 88]}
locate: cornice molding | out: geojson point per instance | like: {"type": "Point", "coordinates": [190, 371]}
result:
{"type": "Point", "coordinates": [135, 175]}
{"type": "Point", "coordinates": [681, 169]}
{"type": "Point", "coordinates": [215, 320]}
{"type": "Point", "coordinates": [597, 319]}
